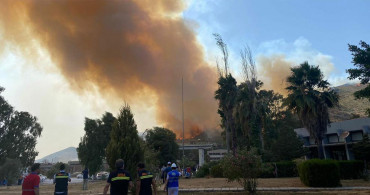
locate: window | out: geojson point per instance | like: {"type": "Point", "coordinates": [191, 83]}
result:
{"type": "Point", "coordinates": [333, 138]}
{"type": "Point", "coordinates": [356, 136]}
{"type": "Point", "coordinates": [312, 141]}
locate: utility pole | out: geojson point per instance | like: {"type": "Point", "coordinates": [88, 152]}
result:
{"type": "Point", "coordinates": [183, 134]}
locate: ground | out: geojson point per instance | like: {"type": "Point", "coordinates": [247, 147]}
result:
{"type": "Point", "coordinates": [97, 187]}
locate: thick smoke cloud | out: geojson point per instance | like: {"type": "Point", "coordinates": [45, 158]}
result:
{"type": "Point", "coordinates": [278, 57]}
{"type": "Point", "coordinates": [130, 50]}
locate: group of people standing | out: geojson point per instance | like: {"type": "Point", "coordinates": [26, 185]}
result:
{"type": "Point", "coordinates": [119, 181]}
{"type": "Point", "coordinates": [31, 182]}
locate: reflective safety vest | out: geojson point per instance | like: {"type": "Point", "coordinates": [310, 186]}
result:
{"type": "Point", "coordinates": [61, 182]}
{"type": "Point", "coordinates": [173, 179]}
{"type": "Point", "coordinates": [119, 181]}
{"type": "Point", "coordinates": [146, 182]}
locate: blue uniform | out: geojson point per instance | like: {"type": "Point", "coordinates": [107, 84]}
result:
{"type": "Point", "coordinates": [173, 182]}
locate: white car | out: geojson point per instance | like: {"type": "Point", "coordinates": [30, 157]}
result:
{"type": "Point", "coordinates": [42, 177]}
{"type": "Point", "coordinates": [79, 176]}
{"type": "Point", "coordinates": [100, 175]}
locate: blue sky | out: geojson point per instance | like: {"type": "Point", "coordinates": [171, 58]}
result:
{"type": "Point", "coordinates": [325, 26]}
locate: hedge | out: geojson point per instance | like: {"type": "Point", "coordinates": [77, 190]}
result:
{"type": "Point", "coordinates": [319, 173]}
{"type": "Point", "coordinates": [284, 169]}
{"type": "Point", "coordinates": [217, 171]}
{"type": "Point", "coordinates": [351, 169]}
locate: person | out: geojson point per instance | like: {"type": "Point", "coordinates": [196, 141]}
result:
{"type": "Point", "coordinates": [31, 182]}
{"type": "Point", "coordinates": [20, 179]}
{"type": "Point", "coordinates": [162, 174]}
{"type": "Point", "coordinates": [61, 180]}
{"type": "Point", "coordinates": [172, 181]}
{"type": "Point", "coordinates": [145, 181]}
{"type": "Point", "coordinates": [5, 182]}
{"type": "Point", "coordinates": [85, 176]}
{"type": "Point", "coordinates": [166, 171]}
{"type": "Point", "coordinates": [119, 181]}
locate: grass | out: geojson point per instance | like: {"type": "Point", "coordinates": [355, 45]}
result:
{"type": "Point", "coordinates": [97, 187]}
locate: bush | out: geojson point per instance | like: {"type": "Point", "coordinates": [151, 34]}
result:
{"type": "Point", "coordinates": [267, 170]}
{"type": "Point", "coordinates": [351, 169]}
{"type": "Point", "coordinates": [319, 173]}
{"type": "Point", "coordinates": [205, 169]}
{"type": "Point", "coordinates": [286, 169]}
{"type": "Point", "coordinates": [244, 168]}
{"type": "Point", "coordinates": [217, 171]}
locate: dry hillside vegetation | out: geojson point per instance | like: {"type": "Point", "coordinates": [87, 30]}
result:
{"type": "Point", "coordinates": [349, 107]}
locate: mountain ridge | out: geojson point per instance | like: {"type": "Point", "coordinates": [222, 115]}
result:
{"type": "Point", "coordinates": [65, 155]}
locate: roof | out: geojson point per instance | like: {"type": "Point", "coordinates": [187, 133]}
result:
{"type": "Point", "coordinates": [339, 127]}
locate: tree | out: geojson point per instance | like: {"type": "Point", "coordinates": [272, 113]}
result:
{"type": "Point", "coordinates": [18, 134]}
{"type": "Point", "coordinates": [124, 142]}
{"type": "Point", "coordinates": [244, 168]}
{"type": "Point", "coordinates": [55, 169]}
{"type": "Point", "coordinates": [163, 141]}
{"type": "Point", "coordinates": [361, 59]}
{"type": "Point", "coordinates": [150, 157]}
{"type": "Point", "coordinates": [226, 95]}
{"type": "Point", "coordinates": [287, 146]}
{"type": "Point", "coordinates": [91, 149]}
{"type": "Point", "coordinates": [11, 170]}
{"type": "Point", "coordinates": [310, 97]}
{"type": "Point", "coordinates": [361, 149]}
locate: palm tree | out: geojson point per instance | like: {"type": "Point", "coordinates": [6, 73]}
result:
{"type": "Point", "coordinates": [226, 95]}
{"type": "Point", "coordinates": [310, 97]}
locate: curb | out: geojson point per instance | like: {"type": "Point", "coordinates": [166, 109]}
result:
{"type": "Point", "coordinates": [273, 189]}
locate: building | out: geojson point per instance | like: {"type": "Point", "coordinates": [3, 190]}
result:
{"type": "Point", "coordinates": [339, 138]}
{"type": "Point", "coordinates": [215, 155]}
{"type": "Point", "coordinates": [45, 167]}
{"type": "Point", "coordinates": [74, 166]}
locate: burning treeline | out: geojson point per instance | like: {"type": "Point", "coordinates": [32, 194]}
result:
{"type": "Point", "coordinates": [132, 50]}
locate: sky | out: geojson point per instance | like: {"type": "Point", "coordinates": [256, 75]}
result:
{"type": "Point", "coordinates": [280, 33]}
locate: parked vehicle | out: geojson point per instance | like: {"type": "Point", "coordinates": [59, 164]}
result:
{"type": "Point", "coordinates": [42, 177]}
{"type": "Point", "coordinates": [102, 174]}
{"type": "Point", "coordinates": [79, 176]}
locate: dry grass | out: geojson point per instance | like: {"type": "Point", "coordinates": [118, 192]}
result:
{"type": "Point", "coordinates": [97, 187]}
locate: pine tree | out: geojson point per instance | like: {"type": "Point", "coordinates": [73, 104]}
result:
{"type": "Point", "coordinates": [124, 143]}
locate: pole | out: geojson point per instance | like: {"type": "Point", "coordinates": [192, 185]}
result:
{"type": "Point", "coordinates": [183, 134]}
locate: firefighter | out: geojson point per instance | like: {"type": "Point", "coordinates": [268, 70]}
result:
{"type": "Point", "coordinates": [61, 180]}
{"type": "Point", "coordinates": [145, 181]}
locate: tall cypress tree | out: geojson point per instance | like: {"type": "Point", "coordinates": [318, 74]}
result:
{"type": "Point", "coordinates": [124, 143]}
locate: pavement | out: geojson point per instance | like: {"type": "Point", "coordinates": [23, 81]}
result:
{"type": "Point", "coordinates": [290, 189]}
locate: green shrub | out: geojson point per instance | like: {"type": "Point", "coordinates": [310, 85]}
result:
{"type": "Point", "coordinates": [217, 171]}
{"type": "Point", "coordinates": [205, 169]}
{"type": "Point", "coordinates": [351, 169]}
{"type": "Point", "coordinates": [286, 169]}
{"type": "Point", "coordinates": [319, 173]}
{"type": "Point", "coordinates": [244, 168]}
{"type": "Point", "coordinates": [267, 170]}
{"type": "Point", "coordinates": [202, 172]}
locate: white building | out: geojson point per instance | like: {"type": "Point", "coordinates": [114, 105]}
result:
{"type": "Point", "coordinates": [215, 155]}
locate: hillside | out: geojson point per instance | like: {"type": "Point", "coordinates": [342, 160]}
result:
{"type": "Point", "coordinates": [68, 154]}
{"type": "Point", "coordinates": [348, 105]}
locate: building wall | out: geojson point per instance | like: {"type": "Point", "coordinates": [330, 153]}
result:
{"type": "Point", "coordinates": [334, 144]}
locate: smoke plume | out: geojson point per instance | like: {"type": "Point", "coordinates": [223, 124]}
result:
{"type": "Point", "coordinates": [131, 50]}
